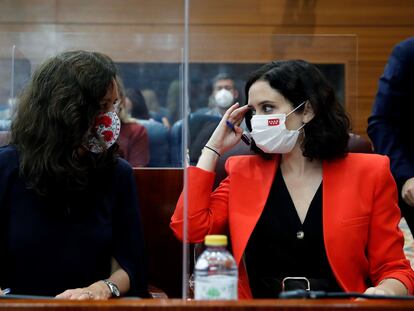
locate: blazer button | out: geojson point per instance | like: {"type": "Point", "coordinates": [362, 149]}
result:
{"type": "Point", "coordinates": [300, 235]}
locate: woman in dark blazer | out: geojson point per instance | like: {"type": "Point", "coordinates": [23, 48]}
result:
{"type": "Point", "coordinates": [303, 207]}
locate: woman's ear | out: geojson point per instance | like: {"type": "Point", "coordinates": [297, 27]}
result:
{"type": "Point", "coordinates": [308, 113]}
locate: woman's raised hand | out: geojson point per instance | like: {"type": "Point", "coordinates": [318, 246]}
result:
{"type": "Point", "coordinates": [224, 137]}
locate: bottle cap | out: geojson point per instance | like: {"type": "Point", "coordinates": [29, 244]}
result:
{"type": "Point", "coordinates": [215, 240]}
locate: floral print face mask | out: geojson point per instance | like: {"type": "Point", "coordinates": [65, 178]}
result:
{"type": "Point", "coordinates": [107, 126]}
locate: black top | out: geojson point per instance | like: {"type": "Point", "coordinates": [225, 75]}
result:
{"type": "Point", "coordinates": [48, 245]}
{"type": "Point", "coordinates": [281, 246]}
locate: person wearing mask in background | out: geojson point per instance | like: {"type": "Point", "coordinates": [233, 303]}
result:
{"type": "Point", "coordinates": [224, 94]}
{"type": "Point", "coordinates": [69, 215]}
{"type": "Point", "coordinates": [133, 137]}
{"type": "Point", "coordinates": [389, 125]}
{"type": "Point", "coordinates": [303, 206]}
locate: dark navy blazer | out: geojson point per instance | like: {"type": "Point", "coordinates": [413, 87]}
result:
{"type": "Point", "coordinates": [50, 244]}
{"type": "Point", "coordinates": [390, 126]}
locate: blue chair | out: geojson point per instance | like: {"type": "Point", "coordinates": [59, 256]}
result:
{"type": "Point", "coordinates": [201, 127]}
{"type": "Point", "coordinates": [162, 113]}
{"type": "Point", "coordinates": [159, 143]}
{"type": "Point", "coordinates": [175, 144]}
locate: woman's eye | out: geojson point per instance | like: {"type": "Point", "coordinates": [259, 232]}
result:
{"type": "Point", "coordinates": [267, 109]}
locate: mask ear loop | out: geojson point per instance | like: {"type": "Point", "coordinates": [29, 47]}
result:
{"type": "Point", "coordinates": [301, 127]}
{"type": "Point", "coordinates": [296, 108]}
{"type": "Point", "coordinates": [294, 111]}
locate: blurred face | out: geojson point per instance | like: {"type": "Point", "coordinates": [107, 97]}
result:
{"type": "Point", "coordinates": [128, 104]}
{"type": "Point", "coordinates": [110, 100]}
{"type": "Point", "coordinates": [264, 100]}
{"type": "Point", "coordinates": [227, 84]}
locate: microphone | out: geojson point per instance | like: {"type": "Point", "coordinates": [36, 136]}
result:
{"type": "Point", "coordinates": [302, 293]}
{"type": "Point", "coordinates": [314, 294]}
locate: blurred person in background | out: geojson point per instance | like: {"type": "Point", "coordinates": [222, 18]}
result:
{"type": "Point", "coordinates": [133, 137]}
{"type": "Point", "coordinates": [223, 95]}
{"type": "Point", "coordinates": [158, 113]}
{"type": "Point", "coordinates": [174, 100]}
{"type": "Point", "coordinates": [135, 100]}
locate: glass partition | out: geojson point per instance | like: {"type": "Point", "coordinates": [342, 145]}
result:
{"type": "Point", "coordinates": [149, 65]}
{"type": "Point", "coordinates": [171, 85]}
{"type": "Point", "coordinates": [236, 56]}
{"type": "Point", "coordinates": [225, 61]}
{"type": "Point", "coordinates": [151, 69]}
{"type": "Point", "coordinates": [6, 68]}
{"type": "Point", "coordinates": [21, 71]}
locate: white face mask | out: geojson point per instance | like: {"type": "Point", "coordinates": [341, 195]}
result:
{"type": "Point", "coordinates": [107, 126]}
{"type": "Point", "coordinates": [224, 98]}
{"type": "Point", "coordinates": [271, 135]}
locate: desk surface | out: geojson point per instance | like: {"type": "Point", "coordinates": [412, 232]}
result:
{"type": "Point", "coordinates": [176, 304]}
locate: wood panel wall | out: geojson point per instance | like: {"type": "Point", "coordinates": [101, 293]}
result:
{"type": "Point", "coordinates": [376, 24]}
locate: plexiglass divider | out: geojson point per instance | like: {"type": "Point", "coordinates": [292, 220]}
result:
{"type": "Point", "coordinates": [6, 82]}
{"type": "Point", "coordinates": [232, 57]}
{"type": "Point", "coordinates": [185, 150]}
{"type": "Point", "coordinates": [180, 72]}
{"type": "Point", "coordinates": [151, 64]}
{"type": "Point", "coordinates": [21, 71]}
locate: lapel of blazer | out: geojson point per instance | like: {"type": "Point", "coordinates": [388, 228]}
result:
{"type": "Point", "coordinates": [337, 197]}
{"type": "Point", "coordinates": [250, 189]}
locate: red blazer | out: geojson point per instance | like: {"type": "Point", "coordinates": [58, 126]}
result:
{"type": "Point", "coordinates": [360, 215]}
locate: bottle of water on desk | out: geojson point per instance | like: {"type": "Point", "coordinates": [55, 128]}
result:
{"type": "Point", "coordinates": [215, 273]}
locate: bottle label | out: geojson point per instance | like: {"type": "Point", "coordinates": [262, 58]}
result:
{"type": "Point", "coordinates": [215, 287]}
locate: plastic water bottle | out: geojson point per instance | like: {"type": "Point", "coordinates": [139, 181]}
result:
{"type": "Point", "coordinates": [215, 273]}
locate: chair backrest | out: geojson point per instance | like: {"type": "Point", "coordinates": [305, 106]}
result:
{"type": "Point", "coordinates": [359, 144]}
{"type": "Point", "coordinates": [201, 126]}
{"type": "Point", "coordinates": [175, 144]}
{"type": "Point", "coordinates": [159, 143]}
{"type": "Point", "coordinates": [158, 192]}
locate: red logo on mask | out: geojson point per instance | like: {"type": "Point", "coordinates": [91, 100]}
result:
{"type": "Point", "coordinates": [273, 122]}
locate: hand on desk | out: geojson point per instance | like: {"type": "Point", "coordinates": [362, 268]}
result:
{"type": "Point", "coordinates": [96, 291]}
{"type": "Point", "coordinates": [407, 191]}
{"type": "Point", "coordinates": [389, 286]}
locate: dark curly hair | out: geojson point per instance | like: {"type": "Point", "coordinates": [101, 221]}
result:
{"type": "Point", "coordinates": [55, 115]}
{"type": "Point", "coordinates": [326, 135]}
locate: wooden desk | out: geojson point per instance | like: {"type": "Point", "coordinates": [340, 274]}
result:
{"type": "Point", "coordinates": [158, 192]}
{"type": "Point", "coordinates": [175, 304]}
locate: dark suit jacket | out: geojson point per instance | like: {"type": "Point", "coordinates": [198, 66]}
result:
{"type": "Point", "coordinates": [390, 126]}
{"type": "Point", "coordinates": [360, 215]}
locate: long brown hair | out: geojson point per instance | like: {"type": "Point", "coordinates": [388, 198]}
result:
{"type": "Point", "coordinates": [55, 113]}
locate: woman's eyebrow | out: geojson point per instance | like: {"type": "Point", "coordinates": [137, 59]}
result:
{"type": "Point", "coordinates": [261, 103]}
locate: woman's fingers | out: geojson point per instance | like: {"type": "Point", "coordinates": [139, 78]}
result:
{"type": "Point", "coordinates": [67, 294]}
{"type": "Point", "coordinates": [230, 110]}
{"type": "Point", "coordinates": [237, 115]}
{"type": "Point", "coordinates": [76, 294]}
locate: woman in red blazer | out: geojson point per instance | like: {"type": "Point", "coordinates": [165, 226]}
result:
{"type": "Point", "coordinates": [302, 207]}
